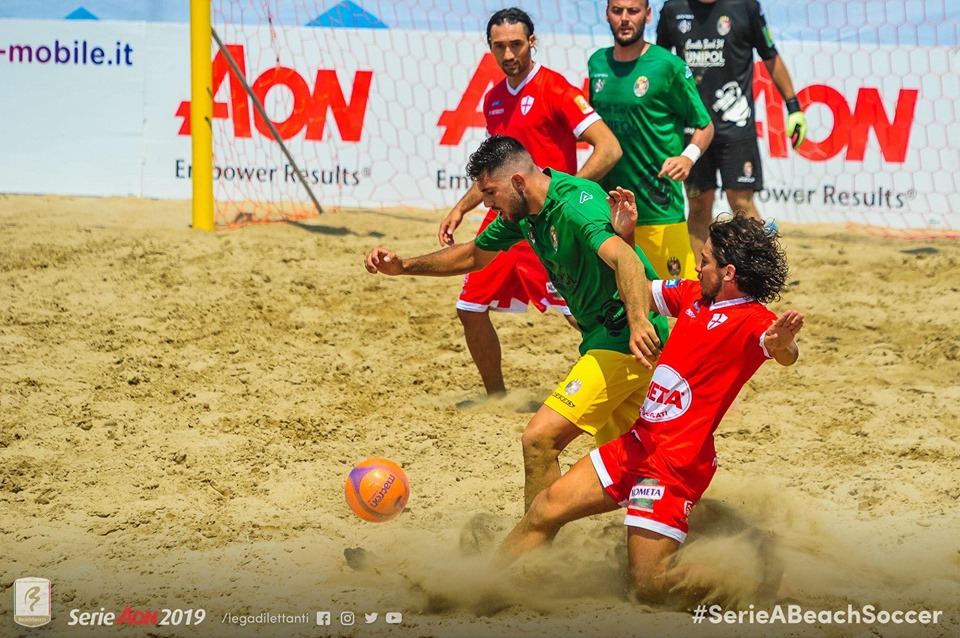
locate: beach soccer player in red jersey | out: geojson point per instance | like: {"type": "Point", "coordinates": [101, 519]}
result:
{"type": "Point", "coordinates": [661, 467]}
{"type": "Point", "coordinates": [548, 115]}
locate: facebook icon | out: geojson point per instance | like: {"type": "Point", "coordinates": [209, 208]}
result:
{"type": "Point", "coordinates": [323, 617]}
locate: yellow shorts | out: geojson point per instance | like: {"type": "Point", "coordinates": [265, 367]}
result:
{"type": "Point", "coordinates": [602, 394]}
{"type": "Point", "coordinates": [667, 246]}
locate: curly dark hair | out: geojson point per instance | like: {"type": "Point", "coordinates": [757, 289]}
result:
{"type": "Point", "coordinates": [512, 15]}
{"type": "Point", "coordinates": [495, 152]}
{"type": "Point", "coordinates": [755, 251]}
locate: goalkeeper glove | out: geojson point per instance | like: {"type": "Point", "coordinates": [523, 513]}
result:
{"type": "Point", "coordinates": [796, 123]}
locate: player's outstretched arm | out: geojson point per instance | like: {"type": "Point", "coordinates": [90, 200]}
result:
{"type": "Point", "coordinates": [635, 293]}
{"type": "Point", "coordinates": [678, 168]}
{"type": "Point", "coordinates": [779, 339]}
{"type": "Point", "coordinates": [471, 199]}
{"type": "Point", "coordinates": [606, 151]}
{"type": "Point", "coordinates": [623, 214]}
{"type": "Point", "coordinates": [454, 260]}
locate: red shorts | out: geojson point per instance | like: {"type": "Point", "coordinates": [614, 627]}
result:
{"type": "Point", "coordinates": [512, 280]}
{"type": "Point", "coordinates": [654, 496]}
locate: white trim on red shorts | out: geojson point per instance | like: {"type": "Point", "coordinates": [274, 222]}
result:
{"type": "Point", "coordinates": [633, 521]}
{"type": "Point", "coordinates": [655, 526]}
{"type": "Point", "coordinates": [563, 310]}
{"type": "Point", "coordinates": [601, 470]}
{"type": "Point", "coordinates": [515, 306]}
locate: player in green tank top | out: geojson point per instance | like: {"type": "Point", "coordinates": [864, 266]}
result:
{"type": "Point", "coordinates": [647, 96]}
{"type": "Point", "coordinates": [567, 221]}
{"type": "Point", "coordinates": [566, 235]}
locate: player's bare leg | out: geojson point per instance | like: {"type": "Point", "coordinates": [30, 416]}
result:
{"type": "Point", "coordinates": [700, 217]}
{"type": "Point", "coordinates": [546, 435]}
{"type": "Point", "coordinates": [649, 555]}
{"type": "Point", "coordinates": [484, 346]}
{"type": "Point", "coordinates": [742, 200]}
{"type": "Point", "coordinates": [577, 494]}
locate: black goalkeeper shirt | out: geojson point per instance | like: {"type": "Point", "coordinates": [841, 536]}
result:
{"type": "Point", "coordinates": [717, 41]}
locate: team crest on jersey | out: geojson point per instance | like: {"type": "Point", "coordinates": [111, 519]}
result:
{"type": "Point", "coordinates": [573, 387]}
{"type": "Point", "coordinates": [582, 104]}
{"type": "Point", "coordinates": [684, 26]}
{"type": "Point", "coordinates": [640, 86]}
{"type": "Point", "coordinates": [526, 104]}
{"type": "Point", "coordinates": [553, 238]}
{"type": "Point", "coordinates": [747, 169]}
{"type": "Point", "coordinates": [724, 25]}
{"type": "Point", "coordinates": [673, 266]}
{"type": "Point", "coordinates": [716, 320]}
{"type": "Point", "coordinates": [598, 85]}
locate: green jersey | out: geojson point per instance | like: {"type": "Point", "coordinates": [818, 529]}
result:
{"type": "Point", "coordinates": [646, 103]}
{"type": "Point", "coordinates": [566, 236]}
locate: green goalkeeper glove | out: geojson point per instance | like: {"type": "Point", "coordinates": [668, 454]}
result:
{"type": "Point", "coordinates": [796, 123]}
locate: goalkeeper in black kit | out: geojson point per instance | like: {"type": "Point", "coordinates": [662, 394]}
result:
{"type": "Point", "coordinates": [716, 38]}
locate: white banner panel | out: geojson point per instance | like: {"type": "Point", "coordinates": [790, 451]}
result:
{"type": "Point", "coordinates": [383, 117]}
{"type": "Point", "coordinates": [72, 110]}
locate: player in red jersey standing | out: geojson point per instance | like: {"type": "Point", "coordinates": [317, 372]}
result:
{"type": "Point", "coordinates": [660, 468]}
{"type": "Point", "coordinates": [548, 115]}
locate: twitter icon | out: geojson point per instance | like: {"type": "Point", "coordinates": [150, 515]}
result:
{"type": "Point", "coordinates": [370, 618]}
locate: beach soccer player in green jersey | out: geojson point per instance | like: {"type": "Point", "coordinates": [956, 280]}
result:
{"type": "Point", "coordinates": [648, 96]}
{"type": "Point", "coordinates": [567, 222]}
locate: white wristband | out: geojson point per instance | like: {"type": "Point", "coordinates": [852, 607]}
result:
{"type": "Point", "coordinates": [692, 152]}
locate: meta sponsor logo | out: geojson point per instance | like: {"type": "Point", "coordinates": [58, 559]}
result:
{"type": "Point", "coordinates": [668, 396]}
{"type": "Point", "coordinates": [310, 105]}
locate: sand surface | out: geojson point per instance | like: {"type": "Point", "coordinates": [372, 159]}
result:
{"type": "Point", "coordinates": [179, 410]}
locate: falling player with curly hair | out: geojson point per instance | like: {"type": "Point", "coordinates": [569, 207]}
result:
{"type": "Point", "coordinates": [662, 466]}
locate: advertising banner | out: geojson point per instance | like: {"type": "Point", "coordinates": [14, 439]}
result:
{"type": "Point", "coordinates": [388, 117]}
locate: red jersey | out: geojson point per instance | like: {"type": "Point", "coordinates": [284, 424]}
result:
{"type": "Point", "coordinates": [712, 351]}
{"type": "Point", "coordinates": [545, 113]}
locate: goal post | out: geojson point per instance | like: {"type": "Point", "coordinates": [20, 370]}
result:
{"type": "Point", "coordinates": [201, 114]}
{"type": "Point", "coordinates": [217, 203]}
